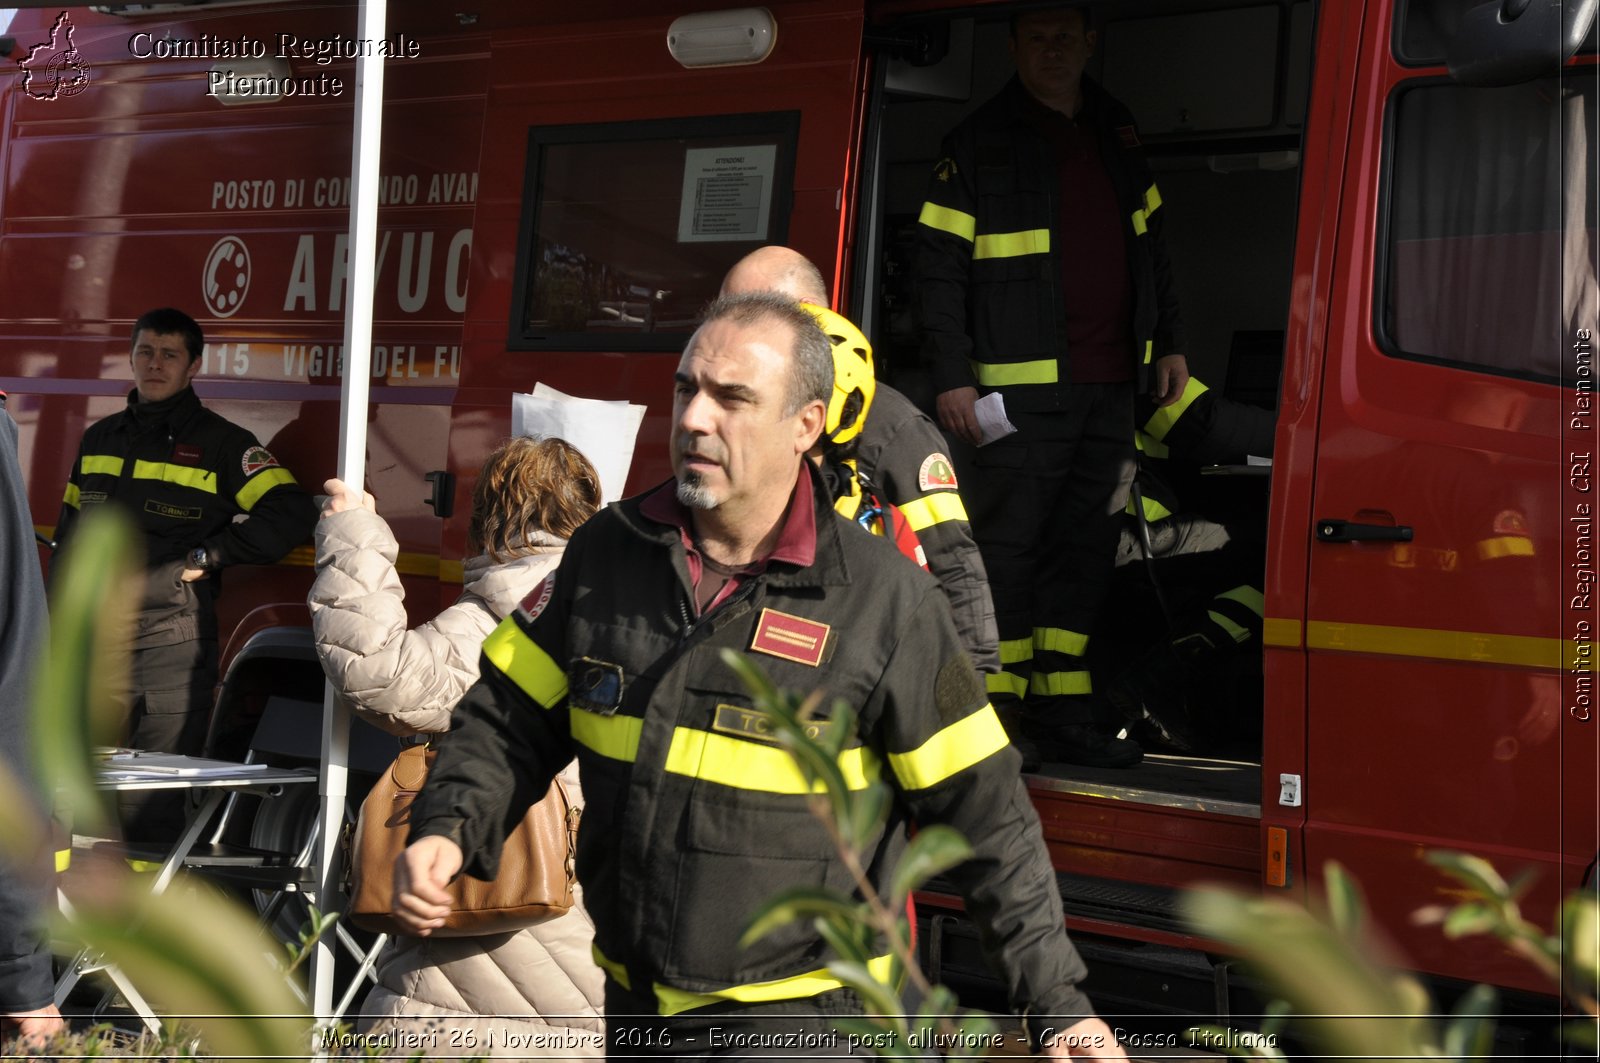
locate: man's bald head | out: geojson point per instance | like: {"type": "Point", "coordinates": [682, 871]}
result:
{"type": "Point", "coordinates": [777, 269]}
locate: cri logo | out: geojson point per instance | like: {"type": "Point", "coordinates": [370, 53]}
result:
{"type": "Point", "coordinates": [226, 277]}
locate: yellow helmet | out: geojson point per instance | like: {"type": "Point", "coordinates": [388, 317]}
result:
{"type": "Point", "coordinates": [853, 382]}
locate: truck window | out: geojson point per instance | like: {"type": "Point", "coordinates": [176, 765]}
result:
{"type": "Point", "coordinates": [628, 227]}
{"type": "Point", "coordinates": [1490, 247]}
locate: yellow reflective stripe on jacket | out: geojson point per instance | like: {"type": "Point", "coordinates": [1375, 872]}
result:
{"type": "Point", "coordinates": [1247, 596]}
{"type": "Point", "coordinates": [63, 860]}
{"type": "Point", "coordinates": [71, 497]}
{"type": "Point", "coordinates": [1060, 684]}
{"type": "Point", "coordinates": [813, 983]}
{"type": "Point", "coordinates": [1236, 631]}
{"type": "Point", "coordinates": [935, 508]}
{"type": "Point", "coordinates": [1153, 510]}
{"type": "Point", "coordinates": [1161, 422]}
{"type": "Point", "coordinates": [996, 375]}
{"type": "Point", "coordinates": [525, 663]}
{"type": "Point", "coordinates": [1141, 217]}
{"type": "Point", "coordinates": [745, 765]}
{"type": "Point", "coordinates": [618, 973]}
{"type": "Point", "coordinates": [1149, 350]}
{"type": "Point", "coordinates": [1147, 444]}
{"type": "Point", "coordinates": [105, 464]}
{"type": "Point", "coordinates": [616, 737]}
{"type": "Point", "coordinates": [954, 749]}
{"type": "Point", "coordinates": [182, 475]}
{"type": "Point", "coordinates": [1005, 683]}
{"type": "Point", "coordinates": [1012, 245]}
{"type": "Point", "coordinates": [1015, 650]}
{"type": "Point", "coordinates": [949, 220]}
{"type": "Point", "coordinates": [1060, 640]}
{"type": "Point", "coordinates": [260, 484]}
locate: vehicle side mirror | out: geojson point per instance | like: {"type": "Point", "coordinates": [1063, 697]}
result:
{"type": "Point", "coordinates": [1507, 42]}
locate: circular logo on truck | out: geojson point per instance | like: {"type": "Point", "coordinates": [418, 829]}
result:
{"type": "Point", "coordinates": [226, 279]}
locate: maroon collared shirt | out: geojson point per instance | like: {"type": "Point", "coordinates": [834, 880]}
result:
{"type": "Point", "coordinates": [714, 584]}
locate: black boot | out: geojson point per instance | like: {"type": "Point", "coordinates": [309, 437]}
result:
{"type": "Point", "coordinates": [1151, 691]}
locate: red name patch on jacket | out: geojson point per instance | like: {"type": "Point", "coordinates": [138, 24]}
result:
{"type": "Point", "coordinates": [794, 638]}
{"type": "Point", "coordinates": [186, 454]}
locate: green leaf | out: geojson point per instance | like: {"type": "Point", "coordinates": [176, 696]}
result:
{"type": "Point", "coordinates": [1580, 936]}
{"type": "Point", "coordinates": [194, 952]}
{"type": "Point", "coordinates": [751, 675]}
{"type": "Point", "coordinates": [91, 613]}
{"type": "Point", "coordinates": [1346, 908]}
{"type": "Point", "coordinates": [934, 850]}
{"type": "Point", "coordinates": [850, 938]}
{"type": "Point", "coordinates": [1468, 919]}
{"type": "Point", "coordinates": [1470, 1032]}
{"type": "Point", "coordinates": [800, 902]}
{"type": "Point", "coordinates": [869, 814]}
{"type": "Point", "coordinates": [1275, 1017]}
{"type": "Point", "coordinates": [878, 998]}
{"type": "Point", "coordinates": [1324, 976]}
{"type": "Point", "coordinates": [1580, 1035]}
{"type": "Point", "coordinates": [1473, 871]}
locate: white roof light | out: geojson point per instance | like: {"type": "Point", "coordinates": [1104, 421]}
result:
{"type": "Point", "coordinates": [723, 38]}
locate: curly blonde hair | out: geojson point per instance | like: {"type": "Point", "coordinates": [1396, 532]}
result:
{"type": "Point", "coordinates": [528, 486]}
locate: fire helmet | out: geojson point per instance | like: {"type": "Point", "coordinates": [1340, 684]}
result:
{"type": "Point", "coordinates": [853, 382]}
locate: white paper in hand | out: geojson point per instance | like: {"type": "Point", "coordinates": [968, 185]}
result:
{"type": "Point", "coordinates": [604, 430]}
{"type": "Point", "coordinates": [992, 421]}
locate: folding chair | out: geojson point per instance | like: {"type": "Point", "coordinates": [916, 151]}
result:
{"type": "Point", "coordinates": [276, 863]}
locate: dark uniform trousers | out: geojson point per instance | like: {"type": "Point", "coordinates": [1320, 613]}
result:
{"type": "Point", "coordinates": [168, 707]}
{"type": "Point", "coordinates": [1045, 505]}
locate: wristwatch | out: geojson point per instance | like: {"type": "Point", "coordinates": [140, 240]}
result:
{"type": "Point", "coordinates": [198, 558]}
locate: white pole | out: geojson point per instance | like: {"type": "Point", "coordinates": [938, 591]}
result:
{"type": "Point", "coordinates": [363, 244]}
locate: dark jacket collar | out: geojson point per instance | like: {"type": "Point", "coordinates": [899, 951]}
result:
{"type": "Point", "coordinates": [650, 516]}
{"type": "Point", "coordinates": [1023, 107]}
{"type": "Point", "coordinates": [173, 411]}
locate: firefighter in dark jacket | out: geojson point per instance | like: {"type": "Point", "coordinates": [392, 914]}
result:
{"type": "Point", "coordinates": [1042, 278]}
{"type": "Point", "coordinates": [902, 455]}
{"type": "Point", "coordinates": [1206, 559]}
{"type": "Point", "coordinates": [694, 819]}
{"type": "Point", "coordinates": [182, 474]}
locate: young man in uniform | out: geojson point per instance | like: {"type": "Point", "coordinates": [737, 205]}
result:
{"type": "Point", "coordinates": [182, 474]}
{"type": "Point", "coordinates": [694, 819]}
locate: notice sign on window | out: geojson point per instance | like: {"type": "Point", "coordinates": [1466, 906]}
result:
{"type": "Point", "coordinates": [727, 193]}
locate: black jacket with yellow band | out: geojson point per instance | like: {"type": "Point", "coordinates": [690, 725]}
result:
{"type": "Point", "coordinates": [987, 255]}
{"type": "Point", "coordinates": [183, 474]}
{"type": "Point", "coordinates": [694, 817]}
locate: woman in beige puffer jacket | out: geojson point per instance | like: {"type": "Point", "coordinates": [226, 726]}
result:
{"type": "Point", "coordinates": [537, 992]}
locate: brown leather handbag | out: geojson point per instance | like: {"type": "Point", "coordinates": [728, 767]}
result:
{"type": "Point", "coordinates": [536, 865]}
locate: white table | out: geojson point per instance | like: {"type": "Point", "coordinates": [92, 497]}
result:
{"type": "Point", "coordinates": [124, 775]}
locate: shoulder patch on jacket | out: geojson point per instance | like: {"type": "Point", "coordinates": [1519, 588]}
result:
{"type": "Point", "coordinates": [944, 169]}
{"type": "Point", "coordinates": [538, 598]}
{"type": "Point", "coordinates": [936, 473]}
{"type": "Point", "coordinates": [255, 459]}
{"type": "Point", "coordinates": [956, 689]}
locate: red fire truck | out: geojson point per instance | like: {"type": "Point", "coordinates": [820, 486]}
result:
{"type": "Point", "coordinates": [1382, 217]}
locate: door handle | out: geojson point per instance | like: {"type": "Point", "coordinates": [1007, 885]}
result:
{"type": "Point", "coordinates": [1349, 531]}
